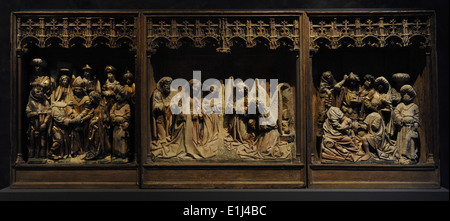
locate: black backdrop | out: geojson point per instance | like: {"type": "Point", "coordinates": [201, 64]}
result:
{"type": "Point", "coordinates": [7, 6]}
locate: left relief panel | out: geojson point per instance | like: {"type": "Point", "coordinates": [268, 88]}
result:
{"type": "Point", "coordinates": [74, 110]}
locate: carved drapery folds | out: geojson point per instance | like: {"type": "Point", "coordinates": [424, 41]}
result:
{"type": "Point", "coordinates": [223, 33]}
{"type": "Point", "coordinates": [67, 32]}
{"type": "Point", "coordinates": [370, 31]}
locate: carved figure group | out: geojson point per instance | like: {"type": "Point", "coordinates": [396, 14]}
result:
{"type": "Point", "coordinates": [372, 120]}
{"type": "Point", "coordinates": [216, 135]}
{"type": "Point", "coordinates": [76, 118]}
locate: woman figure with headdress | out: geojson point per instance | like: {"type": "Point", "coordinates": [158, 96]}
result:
{"type": "Point", "coordinates": [109, 99]}
{"type": "Point", "coordinates": [238, 137]}
{"type": "Point", "coordinates": [64, 91]}
{"type": "Point", "coordinates": [238, 124]}
{"type": "Point", "coordinates": [406, 116]}
{"type": "Point", "coordinates": [90, 81]}
{"type": "Point", "coordinates": [38, 68]}
{"type": "Point", "coordinates": [268, 142]}
{"type": "Point", "coordinates": [339, 141]}
{"type": "Point", "coordinates": [211, 119]}
{"type": "Point", "coordinates": [80, 104]}
{"type": "Point", "coordinates": [366, 94]}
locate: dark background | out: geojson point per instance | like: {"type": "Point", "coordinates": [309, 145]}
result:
{"type": "Point", "coordinates": [7, 6]}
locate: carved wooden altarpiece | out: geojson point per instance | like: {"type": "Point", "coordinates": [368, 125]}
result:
{"type": "Point", "coordinates": [91, 100]}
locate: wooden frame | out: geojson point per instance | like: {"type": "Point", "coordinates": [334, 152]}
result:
{"type": "Point", "coordinates": [424, 174]}
{"type": "Point", "coordinates": [304, 171]}
{"type": "Point", "coordinates": [63, 175]}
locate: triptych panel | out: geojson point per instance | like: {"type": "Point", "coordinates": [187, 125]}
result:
{"type": "Point", "coordinates": [229, 99]}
